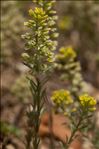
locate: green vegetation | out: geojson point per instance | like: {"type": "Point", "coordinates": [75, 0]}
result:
{"type": "Point", "coordinates": [67, 97]}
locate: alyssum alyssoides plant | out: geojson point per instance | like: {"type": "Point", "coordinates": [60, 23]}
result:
{"type": "Point", "coordinates": [74, 103]}
{"type": "Point", "coordinates": [78, 115]}
{"type": "Point", "coordinates": [67, 64]}
{"type": "Point", "coordinates": [39, 58]}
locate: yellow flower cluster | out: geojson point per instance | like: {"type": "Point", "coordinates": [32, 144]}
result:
{"type": "Point", "coordinates": [66, 52]}
{"type": "Point", "coordinates": [61, 97]}
{"type": "Point", "coordinates": [88, 102]}
{"type": "Point", "coordinates": [38, 12]}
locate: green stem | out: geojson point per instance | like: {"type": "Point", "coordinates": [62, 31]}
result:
{"type": "Point", "coordinates": [73, 133]}
{"type": "Point", "coordinates": [37, 118]}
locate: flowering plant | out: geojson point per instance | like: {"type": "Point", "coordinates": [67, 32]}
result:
{"type": "Point", "coordinates": [67, 64]}
{"type": "Point", "coordinates": [40, 59]}
{"type": "Point", "coordinates": [79, 114]}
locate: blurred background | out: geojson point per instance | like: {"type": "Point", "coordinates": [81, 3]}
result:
{"type": "Point", "coordinates": [78, 26]}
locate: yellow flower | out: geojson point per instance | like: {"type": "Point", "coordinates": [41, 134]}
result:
{"type": "Point", "coordinates": [25, 56]}
{"type": "Point", "coordinates": [31, 12]}
{"type": "Point", "coordinates": [26, 23]}
{"type": "Point", "coordinates": [39, 11]}
{"type": "Point", "coordinates": [61, 97]}
{"type": "Point", "coordinates": [66, 52]}
{"type": "Point", "coordinates": [88, 102]}
{"type": "Point", "coordinates": [50, 60]}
